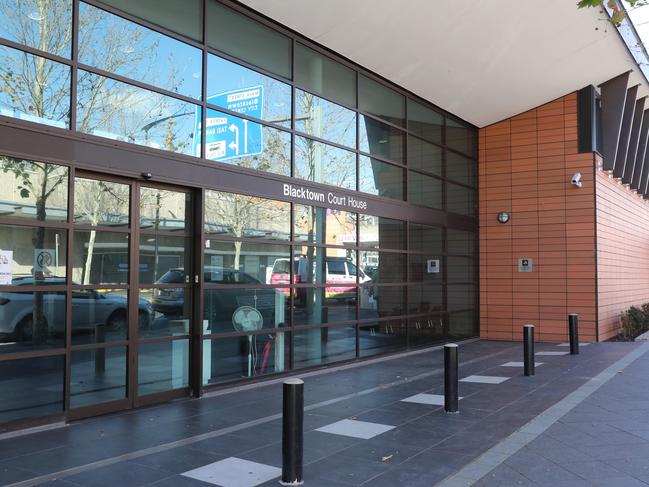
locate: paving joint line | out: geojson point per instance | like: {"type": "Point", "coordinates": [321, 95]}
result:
{"type": "Point", "coordinates": [499, 453]}
{"type": "Point", "coordinates": [231, 429]}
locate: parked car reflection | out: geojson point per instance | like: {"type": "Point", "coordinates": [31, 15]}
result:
{"type": "Point", "coordinates": [220, 304]}
{"type": "Point", "coordinates": [90, 308]}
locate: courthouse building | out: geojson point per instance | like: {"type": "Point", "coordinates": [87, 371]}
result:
{"type": "Point", "coordinates": [202, 193]}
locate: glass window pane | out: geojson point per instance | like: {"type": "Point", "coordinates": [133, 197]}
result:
{"type": "Point", "coordinates": [425, 330]}
{"type": "Point", "coordinates": [460, 168]}
{"type": "Point", "coordinates": [116, 110]}
{"type": "Point", "coordinates": [317, 225]}
{"type": "Point", "coordinates": [31, 388]}
{"type": "Point", "coordinates": [379, 232]}
{"type": "Point", "coordinates": [382, 267]}
{"type": "Point", "coordinates": [460, 297]}
{"type": "Point", "coordinates": [319, 346]}
{"type": "Point", "coordinates": [324, 76]}
{"type": "Point", "coordinates": [162, 256]}
{"type": "Point", "coordinates": [459, 199]}
{"type": "Point", "coordinates": [321, 118]}
{"type": "Point", "coordinates": [34, 88]}
{"type": "Point", "coordinates": [424, 190]}
{"type": "Point", "coordinates": [335, 267]}
{"type": "Point", "coordinates": [164, 312]}
{"type": "Point", "coordinates": [184, 17]}
{"type": "Point", "coordinates": [424, 156]}
{"type": "Point", "coordinates": [242, 90]}
{"type": "Point", "coordinates": [247, 39]}
{"type": "Point", "coordinates": [116, 45]}
{"type": "Point", "coordinates": [31, 321]}
{"type": "Point", "coordinates": [379, 100]}
{"type": "Point", "coordinates": [43, 25]}
{"type": "Point", "coordinates": [37, 255]}
{"type": "Point", "coordinates": [425, 298]}
{"type": "Point", "coordinates": [255, 309]}
{"type": "Point", "coordinates": [463, 324]}
{"type": "Point", "coordinates": [324, 305]}
{"type": "Point", "coordinates": [460, 242]}
{"type": "Point", "coordinates": [33, 190]}
{"type": "Point", "coordinates": [101, 203]}
{"type": "Point", "coordinates": [381, 301]}
{"type": "Point", "coordinates": [380, 140]}
{"type": "Point", "coordinates": [461, 269]}
{"type": "Point", "coordinates": [418, 268]}
{"type": "Point", "coordinates": [382, 337]}
{"type": "Point", "coordinates": [238, 215]}
{"type": "Point", "coordinates": [163, 366]}
{"type": "Point", "coordinates": [324, 163]}
{"type": "Point", "coordinates": [98, 375]}
{"type": "Point", "coordinates": [251, 145]}
{"type": "Point", "coordinates": [424, 238]}
{"type": "Point", "coordinates": [163, 210]}
{"type": "Point", "coordinates": [461, 137]}
{"type": "Point", "coordinates": [100, 257]}
{"type": "Point", "coordinates": [101, 315]}
{"type": "Point", "coordinates": [226, 359]}
{"type": "Point", "coordinates": [425, 122]}
{"type": "Point", "coordinates": [246, 263]}
{"type": "Point", "coordinates": [380, 178]}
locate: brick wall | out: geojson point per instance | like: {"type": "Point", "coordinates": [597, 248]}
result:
{"type": "Point", "coordinates": [525, 166]}
{"type": "Point", "coordinates": [622, 251]}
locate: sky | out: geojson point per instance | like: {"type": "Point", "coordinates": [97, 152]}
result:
{"type": "Point", "coordinates": [639, 15]}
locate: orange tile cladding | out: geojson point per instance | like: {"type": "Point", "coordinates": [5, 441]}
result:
{"type": "Point", "coordinates": [590, 246]}
{"type": "Point", "coordinates": [622, 251]}
{"type": "Point", "coordinates": [525, 166]}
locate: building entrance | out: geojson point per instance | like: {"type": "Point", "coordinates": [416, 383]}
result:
{"type": "Point", "coordinates": [132, 290]}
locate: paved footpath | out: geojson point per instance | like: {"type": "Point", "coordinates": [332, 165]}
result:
{"type": "Point", "coordinates": [376, 424]}
{"type": "Point", "coordinates": [596, 436]}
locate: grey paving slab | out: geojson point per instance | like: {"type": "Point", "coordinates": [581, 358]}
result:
{"type": "Point", "coordinates": [355, 428]}
{"type": "Point", "coordinates": [423, 398]}
{"type": "Point", "coordinates": [484, 379]}
{"type": "Point", "coordinates": [234, 472]}
{"type": "Point", "coordinates": [519, 364]}
{"type": "Point", "coordinates": [550, 353]}
{"type": "Point", "coordinates": [126, 474]}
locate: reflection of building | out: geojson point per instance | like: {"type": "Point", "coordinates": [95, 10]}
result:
{"type": "Point", "coordinates": [147, 196]}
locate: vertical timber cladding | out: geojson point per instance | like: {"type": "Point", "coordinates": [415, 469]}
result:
{"type": "Point", "coordinates": [525, 164]}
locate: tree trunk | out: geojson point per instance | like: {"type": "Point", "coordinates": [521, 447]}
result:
{"type": "Point", "coordinates": [88, 266]}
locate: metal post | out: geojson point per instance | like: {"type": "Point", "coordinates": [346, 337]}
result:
{"type": "Point", "coordinates": [450, 378]}
{"type": "Point", "coordinates": [100, 353]}
{"type": "Point", "coordinates": [293, 432]}
{"type": "Point", "coordinates": [573, 330]}
{"type": "Point", "coordinates": [528, 349]}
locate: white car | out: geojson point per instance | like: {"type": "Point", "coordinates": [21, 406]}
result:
{"type": "Point", "coordinates": [89, 308]}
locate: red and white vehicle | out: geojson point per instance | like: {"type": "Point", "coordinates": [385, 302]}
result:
{"type": "Point", "coordinates": [340, 276]}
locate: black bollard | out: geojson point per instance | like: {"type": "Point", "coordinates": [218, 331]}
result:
{"type": "Point", "coordinates": [528, 349]}
{"type": "Point", "coordinates": [450, 378]}
{"type": "Point", "coordinates": [293, 432]}
{"type": "Point", "coordinates": [573, 330]}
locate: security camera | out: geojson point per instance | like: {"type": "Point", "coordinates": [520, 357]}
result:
{"type": "Point", "coordinates": [576, 179]}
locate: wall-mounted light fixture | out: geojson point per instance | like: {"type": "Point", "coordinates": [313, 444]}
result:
{"type": "Point", "coordinates": [503, 217]}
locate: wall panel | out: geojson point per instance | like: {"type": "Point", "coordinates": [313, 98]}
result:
{"type": "Point", "coordinates": [526, 163]}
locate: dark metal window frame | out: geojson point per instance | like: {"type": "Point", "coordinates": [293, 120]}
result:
{"type": "Point", "coordinates": [71, 137]}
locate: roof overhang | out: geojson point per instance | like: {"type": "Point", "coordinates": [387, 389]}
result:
{"type": "Point", "coordinates": [481, 60]}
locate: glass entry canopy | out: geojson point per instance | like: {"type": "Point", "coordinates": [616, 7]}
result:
{"type": "Point", "coordinates": [131, 294]}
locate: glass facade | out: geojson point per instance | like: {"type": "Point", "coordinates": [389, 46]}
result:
{"type": "Point", "coordinates": [124, 289]}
